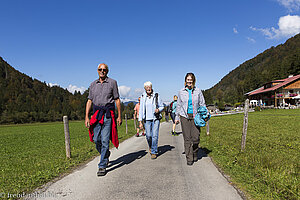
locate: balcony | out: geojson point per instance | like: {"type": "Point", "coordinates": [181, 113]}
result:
{"type": "Point", "coordinates": [293, 95]}
{"type": "Point", "coordinates": [279, 95]}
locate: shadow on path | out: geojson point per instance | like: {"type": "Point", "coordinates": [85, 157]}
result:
{"type": "Point", "coordinates": [163, 149]}
{"type": "Point", "coordinates": [178, 133]}
{"type": "Point", "coordinates": [125, 160]}
{"type": "Point", "coordinates": [203, 152]}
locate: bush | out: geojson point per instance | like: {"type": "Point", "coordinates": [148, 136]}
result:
{"type": "Point", "coordinates": [257, 108]}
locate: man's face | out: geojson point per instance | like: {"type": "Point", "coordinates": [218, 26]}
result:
{"type": "Point", "coordinates": [148, 90]}
{"type": "Point", "coordinates": [139, 100]}
{"type": "Point", "coordinates": [102, 71]}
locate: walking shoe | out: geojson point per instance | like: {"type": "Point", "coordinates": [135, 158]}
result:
{"type": "Point", "coordinates": [189, 163]}
{"type": "Point", "coordinates": [143, 134]}
{"type": "Point", "coordinates": [153, 156]}
{"type": "Point", "coordinates": [137, 135]}
{"type": "Point", "coordinates": [195, 158]}
{"type": "Point", "coordinates": [101, 172]}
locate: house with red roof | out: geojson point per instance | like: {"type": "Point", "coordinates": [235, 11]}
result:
{"type": "Point", "coordinates": [277, 93]}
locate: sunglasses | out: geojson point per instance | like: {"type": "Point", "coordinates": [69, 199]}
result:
{"type": "Point", "coordinates": [100, 70]}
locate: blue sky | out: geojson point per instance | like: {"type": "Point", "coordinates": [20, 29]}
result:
{"type": "Point", "coordinates": [62, 42]}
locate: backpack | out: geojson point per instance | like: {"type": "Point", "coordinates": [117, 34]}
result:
{"type": "Point", "coordinates": [157, 115]}
{"type": "Point", "coordinates": [202, 114]}
{"type": "Point", "coordinates": [171, 106]}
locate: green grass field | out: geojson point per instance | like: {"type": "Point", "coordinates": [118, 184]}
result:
{"type": "Point", "coordinates": [33, 154]}
{"type": "Point", "coordinates": [269, 167]}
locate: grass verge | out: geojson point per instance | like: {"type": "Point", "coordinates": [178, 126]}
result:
{"type": "Point", "coordinates": [34, 154]}
{"type": "Point", "coordinates": [269, 167]}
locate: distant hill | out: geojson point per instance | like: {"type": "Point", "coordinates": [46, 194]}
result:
{"type": "Point", "coordinates": [275, 63]}
{"type": "Point", "coordinates": [127, 101]}
{"type": "Point", "coordinates": [23, 99]}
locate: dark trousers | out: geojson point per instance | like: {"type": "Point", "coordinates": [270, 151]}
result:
{"type": "Point", "coordinates": [191, 136]}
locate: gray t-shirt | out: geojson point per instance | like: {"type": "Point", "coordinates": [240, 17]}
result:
{"type": "Point", "coordinates": [103, 93]}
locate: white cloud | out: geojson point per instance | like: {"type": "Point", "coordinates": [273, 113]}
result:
{"type": "Point", "coordinates": [235, 31]}
{"type": "Point", "coordinates": [287, 26]}
{"type": "Point", "coordinates": [53, 84]}
{"type": "Point", "coordinates": [139, 91]}
{"type": "Point", "coordinates": [72, 88]}
{"type": "Point", "coordinates": [291, 5]}
{"type": "Point", "coordinates": [124, 91]}
{"type": "Point", "coordinates": [251, 39]}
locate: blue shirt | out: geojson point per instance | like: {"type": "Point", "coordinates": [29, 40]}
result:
{"type": "Point", "coordinates": [174, 105]}
{"type": "Point", "coordinates": [149, 108]}
{"type": "Point", "coordinates": [190, 102]}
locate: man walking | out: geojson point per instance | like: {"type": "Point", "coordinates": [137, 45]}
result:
{"type": "Point", "coordinates": [103, 94]}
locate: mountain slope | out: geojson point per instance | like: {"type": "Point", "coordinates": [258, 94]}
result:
{"type": "Point", "coordinates": [275, 63]}
{"type": "Point", "coordinates": [23, 99]}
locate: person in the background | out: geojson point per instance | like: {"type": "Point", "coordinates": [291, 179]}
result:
{"type": "Point", "coordinates": [136, 117]}
{"type": "Point", "coordinates": [167, 111]}
{"type": "Point", "coordinates": [103, 94]}
{"type": "Point", "coordinates": [189, 99]}
{"type": "Point", "coordinates": [150, 108]}
{"type": "Point", "coordinates": [173, 106]}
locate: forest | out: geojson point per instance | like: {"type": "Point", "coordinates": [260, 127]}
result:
{"type": "Point", "coordinates": [25, 100]}
{"type": "Point", "coordinates": [273, 64]}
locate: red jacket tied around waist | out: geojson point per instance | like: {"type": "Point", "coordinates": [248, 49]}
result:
{"type": "Point", "coordinates": [98, 117]}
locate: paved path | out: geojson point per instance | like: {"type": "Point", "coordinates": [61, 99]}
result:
{"type": "Point", "coordinates": [133, 175]}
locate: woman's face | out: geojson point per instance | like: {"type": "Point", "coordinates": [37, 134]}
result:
{"type": "Point", "coordinates": [148, 90]}
{"type": "Point", "coordinates": [189, 81]}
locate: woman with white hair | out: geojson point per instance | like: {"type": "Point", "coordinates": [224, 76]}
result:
{"type": "Point", "coordinates": [150, 108]}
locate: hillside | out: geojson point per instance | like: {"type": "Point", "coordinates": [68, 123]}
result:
{"type": "Point", "coordinates": [274, 63]}
{"type": "Point", "coordinates": [23, 99]}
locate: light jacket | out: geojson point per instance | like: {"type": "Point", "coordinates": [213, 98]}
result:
{"type": "Point", "coordinates": [182, 102]}
{"type": "Point", "coordinates": [201, 116]}
{"type": "Point", "coordinates": [142, 113]}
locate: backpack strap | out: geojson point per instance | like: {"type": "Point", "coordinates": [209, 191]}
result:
{"type": "Point", "coordinates": [156, 100]}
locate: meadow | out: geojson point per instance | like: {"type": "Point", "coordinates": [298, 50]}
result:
{"type": "Point", "coordinates": [34, 154]}
{"type": "Point", "coordinates": [269, 166]}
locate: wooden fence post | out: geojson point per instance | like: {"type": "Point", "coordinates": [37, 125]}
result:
{"type": "Point", "coordinates": [207, 127]}
{"type": "Point", "coordinates": [67, 136]}
{"type": "Point", "coordinates": [126, 123]}
{"type": "Point", "coordinates": [245, 126]}
{"type": "Point", "coordinates": [134, 121]}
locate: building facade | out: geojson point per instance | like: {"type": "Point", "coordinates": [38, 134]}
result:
{"type": "Point", "coordinates": [277, 93]}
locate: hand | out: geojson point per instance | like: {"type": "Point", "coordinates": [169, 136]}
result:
{"type": "Point", "coordinates": [156, 111]}
{"type": "Point", "coordinates": [87, 122]}
{"type": "Point", "coordinates": [206, 119]}
{"type": "Point", "coordinates": [141, 125]}
{"type": "Point", "coordinates": [119, 121]}
{"type": "Point", "coordinates": [176, 121]}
